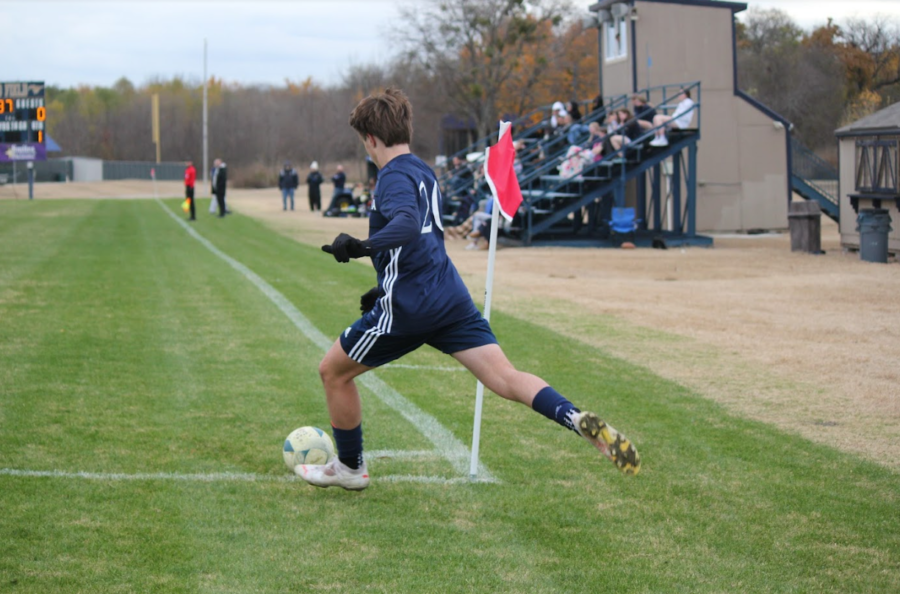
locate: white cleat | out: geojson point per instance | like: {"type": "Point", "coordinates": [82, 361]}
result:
{"type": "Point", "coordinates": [334, 474]}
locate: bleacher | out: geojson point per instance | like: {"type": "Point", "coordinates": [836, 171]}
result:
{"type": "Point", "coordinates": [657, 183]}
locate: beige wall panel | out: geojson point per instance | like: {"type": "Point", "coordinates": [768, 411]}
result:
{"type": "Point", "coordinates": [617, 78]}
{"type": "Point", "coordinates": [846, 151]}
{"type": "Point", "coordinates": [686, 43]}
{"type": "Point", "coordinates": [764, 205]}
{"type": "Point", "coordinates": [763, 149]}
{"type": "Point", "coordinates": [718, 208]}
{"type": "Point", "coordinates": [763, 169]}
{"type": "Point", "coordinates": [717, 155]}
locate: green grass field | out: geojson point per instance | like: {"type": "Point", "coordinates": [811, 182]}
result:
{"type": "Point", "coordinates": [147, 384]}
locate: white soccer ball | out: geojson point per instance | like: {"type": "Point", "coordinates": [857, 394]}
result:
{"type": "Point", "coordinates": [307, 445]}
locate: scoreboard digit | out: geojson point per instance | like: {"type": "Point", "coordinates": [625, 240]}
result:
{"type": "Point", "coordinates": [23, 117]}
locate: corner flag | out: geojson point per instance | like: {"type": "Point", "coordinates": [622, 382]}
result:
{"type": "Point", "coordinates": [500, 175]}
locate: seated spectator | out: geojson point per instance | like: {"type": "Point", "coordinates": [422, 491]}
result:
{"type": "Point", "coordinates": [481, 223]}
{"type": "Point", "coordinates": [574, 161]}
{"type": "Point", "coordinates": [612, 122]}
{"type": "Point", "coordinates": [643, 111]}
{"type": "Point", "coordinates": [595, 140]}
{"type": "Point", "coordinates": [474, 228]}
{"type": "Point", "coordinates": [574, 112]}
{"type": "Point", "coordinates": [628, 130]}
{"type": "Point", "coordinates": [680, 118]}
{"type": "Point", "coordinates": [577, 130]}
{"type": "Point", "coordinates": [559, 118]}
{"type": "Point", "coordinates": [459, 192]}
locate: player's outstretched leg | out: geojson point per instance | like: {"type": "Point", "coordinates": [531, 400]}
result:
{"type": "Point", "coordinates": [610, 442]}
{"type": "Point", "coordinates": [334, 474]}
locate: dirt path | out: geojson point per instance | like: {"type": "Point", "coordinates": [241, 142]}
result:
{"type": "Point", "coordinates": [808, 343]}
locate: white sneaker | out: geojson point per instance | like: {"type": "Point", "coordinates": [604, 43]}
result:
{"type": "Point", "coordinates": [334, 474]}
{"type": "Point", "coordinates": [659, 141]}
{"type": "Point", "coordinates": [610, 442]}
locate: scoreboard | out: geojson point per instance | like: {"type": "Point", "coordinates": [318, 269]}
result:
{"type": "Point", "coordinates": [23, 118]}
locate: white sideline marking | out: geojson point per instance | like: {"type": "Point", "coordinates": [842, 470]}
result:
{"type": "Point", "coordinates": [425, 367]}
{"type": "Point", "coordinates": [404, 454]}
{"type": "Point", "coordinates": [217, 477]}
{"type": "Point", "coordinates": [451, 448]}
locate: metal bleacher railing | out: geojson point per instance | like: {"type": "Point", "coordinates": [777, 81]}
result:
{"type": "Point", "coordinates": [549, 199]}
{"type": "Point", "coordinates": [529, 129]}
{"type": "Point", "coordinates": [554, 197]}
{"type": "Point", "coordinates": [815, 179]}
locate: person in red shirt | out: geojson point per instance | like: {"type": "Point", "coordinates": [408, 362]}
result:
{"type": "Point", "coordinates": [190, 176]}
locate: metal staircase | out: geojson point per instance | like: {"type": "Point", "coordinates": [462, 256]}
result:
{"type": "Point", "coordinates": [815, 179]}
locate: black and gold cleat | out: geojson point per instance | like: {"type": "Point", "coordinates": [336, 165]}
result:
{"type": "Point", "coordinates": [610, 442]}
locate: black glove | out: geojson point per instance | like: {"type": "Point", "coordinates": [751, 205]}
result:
{"type": "Point", "coordinates": [345, 247]}
{"type": "Point", "coordinates": [367, 301]}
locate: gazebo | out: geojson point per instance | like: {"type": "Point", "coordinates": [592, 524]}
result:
{"type": "Point", "coordinates": [869, 168]}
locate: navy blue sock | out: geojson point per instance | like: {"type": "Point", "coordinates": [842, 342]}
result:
{"type": "Point", "coordinates": [555, 407]}
{"type": "Point", "coordinates": [349, 444]}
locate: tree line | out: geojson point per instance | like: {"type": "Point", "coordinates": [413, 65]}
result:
{"type": "Point", "coordinates": [820, 79]}
{"type": "Point", "coordinates": [492, 57]}
{"type": "Point", "coordinates": [475, 60]}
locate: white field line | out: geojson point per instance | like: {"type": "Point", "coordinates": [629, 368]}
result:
{"type": "Point", "coordinates": [218, 477]}
{"type": "Point", "coordinates": [423, 367]}
{"type": "Point", "coordinates": [449, 446]}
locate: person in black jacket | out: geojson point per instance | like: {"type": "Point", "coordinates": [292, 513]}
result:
{"type": "Point", "coordinates": [313, 181]}
{"type": "Point", "coordinates": [219, 183]}
{"type": "Point", "coordinates": [338, 179]}
{"type": "Point", "coordinates": [288, 180]}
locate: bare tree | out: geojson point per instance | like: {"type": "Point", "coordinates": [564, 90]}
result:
{"type": "Point", "coordinates": [472, 48]}
{"type": "Point", "coordinates": [879, 40]}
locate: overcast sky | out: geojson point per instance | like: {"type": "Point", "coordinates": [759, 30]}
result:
{"type": "Point", "coordinates": [72, 42]}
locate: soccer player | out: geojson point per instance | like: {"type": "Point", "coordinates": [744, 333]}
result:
{"type": "Point", "coordinates": [420, 299]}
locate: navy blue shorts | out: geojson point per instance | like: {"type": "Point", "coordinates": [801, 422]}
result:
{"type": "Point", "coordinates": [365, 343]}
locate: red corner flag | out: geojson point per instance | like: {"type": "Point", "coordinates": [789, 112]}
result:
{"type": "Point", "coordinates": [501, 177]}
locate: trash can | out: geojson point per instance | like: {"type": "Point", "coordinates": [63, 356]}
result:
{"type": "Point", "coordinates": [874, 226]}
{"type": "Point", "coordinates": [805, 223]}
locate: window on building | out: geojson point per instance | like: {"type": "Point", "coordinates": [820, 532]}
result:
{"type": "Point", "coordinates": [877, 165]}
{"type": "Point", "coordinates": [616, 38]}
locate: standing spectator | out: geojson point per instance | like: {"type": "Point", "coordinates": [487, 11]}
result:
{"type": "Point", "coordinates": [338, 179]}
{"type": "Point", "coordinates": [190, 177]}
{"type": "Point", "coordinates": [313, 181]}
{"type": "Point", "coordinates": [288, 180]}
{"type": "Point", "coordinates": [681, 118]}
{"type": "Point", "coordinates": [219, 183]}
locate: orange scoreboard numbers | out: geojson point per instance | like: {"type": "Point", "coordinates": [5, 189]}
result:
{"type": "Point", "coordinates": [23, 121]}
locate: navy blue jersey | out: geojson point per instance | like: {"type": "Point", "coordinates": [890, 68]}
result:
{"type": "Point", "coordinates": [421, 289]}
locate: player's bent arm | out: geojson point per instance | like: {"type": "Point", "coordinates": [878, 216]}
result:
{"type": "Point", "coordinates": [401, 230]}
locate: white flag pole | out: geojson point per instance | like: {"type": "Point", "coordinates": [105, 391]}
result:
{"type": "Point", "coordinates": [489, 283]}
{"type": "Point", "coordinates": [488, 289]}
